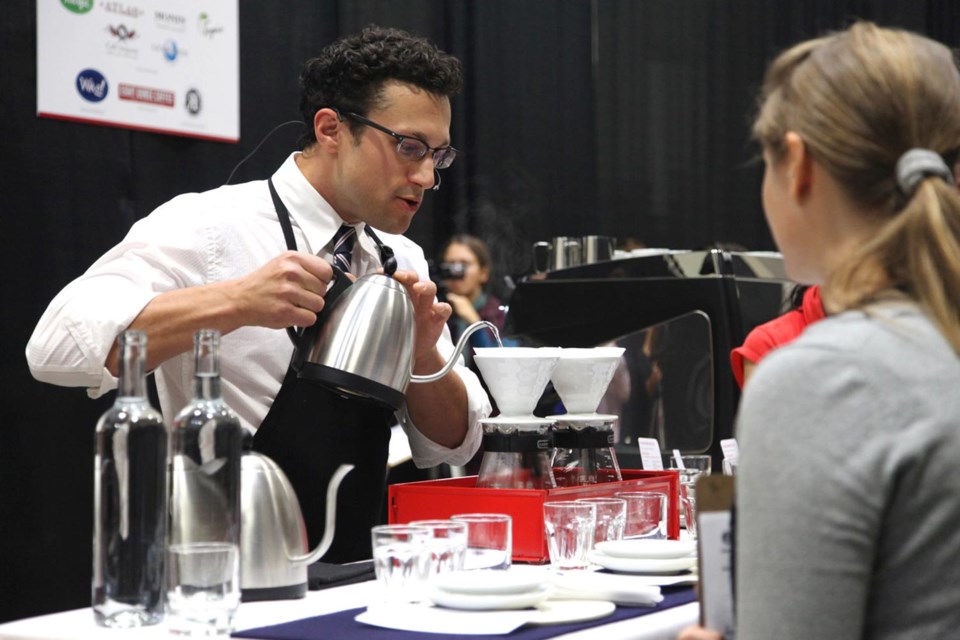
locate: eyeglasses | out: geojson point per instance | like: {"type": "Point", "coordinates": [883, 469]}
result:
{"type": "Point", "coordinates": [409, 148]}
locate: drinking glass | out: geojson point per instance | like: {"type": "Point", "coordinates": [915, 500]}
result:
{"type": "Point", "coordinates": [489, 540]}
{"type": "Point", "coordinates": [203, 588]}
{"type": "Point", "coordinates": [401, 561]}
{"type": "Point", "coordinates": [611, 518]}
{"type": "Point", "coordinates": [447, 546]}
{"type": "Point", "coordinates": [694, 466]}
{"type": "Point", "coordinates": [646, 514]}
{"type": "Point", "coordinates": [569, 527]}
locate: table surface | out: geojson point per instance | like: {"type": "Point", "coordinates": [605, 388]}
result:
{"type": "Point", "coordinates": [78, 624]}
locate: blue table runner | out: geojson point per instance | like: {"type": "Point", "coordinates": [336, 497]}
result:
{"type": "Point", "coordinates": [342, 625]}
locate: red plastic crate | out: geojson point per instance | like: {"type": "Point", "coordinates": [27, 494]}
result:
{"type": "Point", "coordinates": [444, 498]}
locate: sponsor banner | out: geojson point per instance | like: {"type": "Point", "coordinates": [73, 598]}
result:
{"type": "Point", "coordinates": [168, 66]}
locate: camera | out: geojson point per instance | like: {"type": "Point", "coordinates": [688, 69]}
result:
{"type": "Point", "coordinates": [446, 271]}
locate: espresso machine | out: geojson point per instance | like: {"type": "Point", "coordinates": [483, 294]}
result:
{"type": "Point", "coordinates": [677, 314]}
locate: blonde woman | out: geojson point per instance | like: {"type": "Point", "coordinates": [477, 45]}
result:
{"type": "Point", "coordinates": [848, 518]}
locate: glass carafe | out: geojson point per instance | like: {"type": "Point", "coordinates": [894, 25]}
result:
{"type": "Point", "coordinates": [517, 454]}
{"type": "Point", "coordinates": [130, 499]}
{"type": "Point", "coordinates": [205, 446]}
{"type": "Point", "coordinates": [584, 450]}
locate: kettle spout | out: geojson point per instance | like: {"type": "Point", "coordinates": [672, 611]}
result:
{"type": "Point", "coordinates": [330, 526]}
{"type": "Point", "coordinates": [461, 343]}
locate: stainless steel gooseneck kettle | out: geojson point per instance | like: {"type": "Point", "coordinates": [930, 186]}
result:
{"type": "Point", "coordinates": [273, 538]}
{"type": "Point", "coordinates": [362, 342]}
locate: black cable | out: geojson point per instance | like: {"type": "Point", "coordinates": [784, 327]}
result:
{"type": "Point", "coordinates": [260, 144]}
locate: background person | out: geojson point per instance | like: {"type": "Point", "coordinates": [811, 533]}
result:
{"type": "Point", "coordinates": [848, 488]}
{"type": "Point", "coordinates": [805, 309]}
{"type": "Point", "coordinates": [467, 295]}
{"type": "Point", "coordinates": [253, 259]}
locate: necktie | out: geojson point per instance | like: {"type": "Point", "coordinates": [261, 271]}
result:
{"type": "Point", "coordinates": [343, 247]}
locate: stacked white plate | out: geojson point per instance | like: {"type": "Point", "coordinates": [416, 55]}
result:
{"type": "Point", "coordinates": [651, 557]}
{"type": "Point", "coordinates": [489, 590]}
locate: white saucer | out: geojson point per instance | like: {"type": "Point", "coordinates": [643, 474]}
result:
{"type": "Point", "coordinates": [569, 611]}
{"type": "Point", "coordinates": [647, 548]}
{"type": "Point", "coordinates": [489, 602]}
{"type": "Point", "coordinates": [489, 582]}
{"type": "Point", "coordinates": [585, 418]}
{"type": "Point", "coordinates": [652, 566]}
{"type": "Point", "coordinates": [524, 421]}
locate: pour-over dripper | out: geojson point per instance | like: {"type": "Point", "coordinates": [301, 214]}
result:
{"type": "Point", "coordinates": [582, 376]}
{"type": "Point", "coordinates": [516, 376]}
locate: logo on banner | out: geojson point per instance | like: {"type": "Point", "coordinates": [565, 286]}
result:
{"type": "Point", "coordinates": [78, 6]}
{"type": "Point", "coordinates": [206, 27]}
{"type": "Point", "coordinates": [192, 102]}
{"type": "Point", "coordinates": [170, 21]}
{"type": "Point", "coordinates": [122, 9]}
{"type": "Point", "coordinates": [122, 33]}
{"type": "Point", "coordinates": [92, 85]}
{"type": "Point", "coordinates": [170, 50]}
{"type": "Point", "coordinates": [147, 95]}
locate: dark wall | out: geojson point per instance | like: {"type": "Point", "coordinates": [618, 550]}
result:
{"type": "Point", "coordinates": [624, 117]}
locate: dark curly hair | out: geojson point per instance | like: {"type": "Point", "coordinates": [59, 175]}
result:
{"type": "Point", "coordinates": [350, 73]}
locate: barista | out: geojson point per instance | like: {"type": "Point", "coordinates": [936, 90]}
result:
{"type": "Point", "coordinates": [253, 259]}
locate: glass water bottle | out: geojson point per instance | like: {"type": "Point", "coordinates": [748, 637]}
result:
{"type": "Point", "coordinates": [130, 499]}
{"type": "Point", "coordinates": [205, 448]}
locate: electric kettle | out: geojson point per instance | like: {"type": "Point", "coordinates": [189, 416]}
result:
{"type": "Point", "coordinates": [273, 538]}
{"type": "Point", "coordinates": [362, 342]}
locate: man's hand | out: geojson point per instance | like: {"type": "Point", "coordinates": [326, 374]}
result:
{"type": "Point", "coordinates": [287, 291]}
{"type": "Point", "coordinates": [430, 316]}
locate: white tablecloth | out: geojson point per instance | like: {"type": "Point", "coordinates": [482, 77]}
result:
{"type": "Point", "coordinates": [79, 625]}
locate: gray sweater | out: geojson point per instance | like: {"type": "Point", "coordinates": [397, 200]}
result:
{"type": "Point", "coordinates": [848, 520]}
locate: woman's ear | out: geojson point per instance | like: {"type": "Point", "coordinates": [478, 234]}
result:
{"type": "Point", "coordinates": [799, 166]}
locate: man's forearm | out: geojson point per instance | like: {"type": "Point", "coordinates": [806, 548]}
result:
{"type": "Point", "coordinates": [172, 318]}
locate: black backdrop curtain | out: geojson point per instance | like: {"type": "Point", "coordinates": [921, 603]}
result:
{"type": "Point", "coordinates": [621, 117]}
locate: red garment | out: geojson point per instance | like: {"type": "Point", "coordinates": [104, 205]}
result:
{"type": "Point", "coordinates": [777, 332]}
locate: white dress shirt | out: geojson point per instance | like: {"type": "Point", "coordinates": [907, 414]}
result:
{"type": "Point", "coordinates": [196, 239]}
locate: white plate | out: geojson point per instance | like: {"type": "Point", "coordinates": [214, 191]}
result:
{"type": "Point", "coordinates": [569, 611]}
{"type": "Point", "coordinates": [647, 548]}
{"type": "Point", "coordinates": [490, 602]}
{"type": "Point", "coordinates": [489, 582]}
{"type": "Point", "coordinates": [655, 566]}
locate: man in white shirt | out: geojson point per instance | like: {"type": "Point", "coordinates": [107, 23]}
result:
{"type": "Point", "coordinates": [377, 112]}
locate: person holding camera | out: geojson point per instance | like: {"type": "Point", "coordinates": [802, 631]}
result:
{"type": "Point", "coordinates": [465, 272]}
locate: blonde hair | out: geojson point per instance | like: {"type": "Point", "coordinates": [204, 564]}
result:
{"type": "Point", "coordinates": [860, 99]}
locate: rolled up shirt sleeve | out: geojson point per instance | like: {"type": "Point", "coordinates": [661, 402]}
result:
{"type": "Point", "coordinates": [73, 337]}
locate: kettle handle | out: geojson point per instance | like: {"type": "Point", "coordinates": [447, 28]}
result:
{"type": "Point", "coordinates": [303, 338]}
{"type": "Point", "coordinates": [480, 324]}
{"type": "Point", "coordinates": [331, 522]}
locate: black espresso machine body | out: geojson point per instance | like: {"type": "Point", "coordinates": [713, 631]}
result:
{"type": "Point", "coordinates": [678, 314]}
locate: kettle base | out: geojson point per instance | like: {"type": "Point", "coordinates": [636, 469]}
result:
{"type": "Point", "coordinates": [351, 385]}
{"type": "Point", "coordinates": [287, 592]}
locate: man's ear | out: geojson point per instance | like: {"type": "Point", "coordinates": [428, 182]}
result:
{"type": "Point", "coordinates": [799, 165]}
{"type": "Point", "coordinates": [327, 127]}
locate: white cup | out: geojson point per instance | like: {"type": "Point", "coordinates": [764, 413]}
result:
{"type": "Point", "coordinates": [569, 527]}
{"type": "Point", "coordinates": [203, 588]}
{"type": "Point", "coordinates": [401, 561]}
{"type": "Point", "coordinates": [489, 540]}
{"type": "Point", "coordinates": [611, 518]}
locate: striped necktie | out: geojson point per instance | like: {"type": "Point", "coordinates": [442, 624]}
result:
{"type": "Point", "coordinates": [343, 247]}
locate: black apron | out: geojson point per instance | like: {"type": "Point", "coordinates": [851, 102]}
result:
{"type": "Point", "coordinates": [310, 431]}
